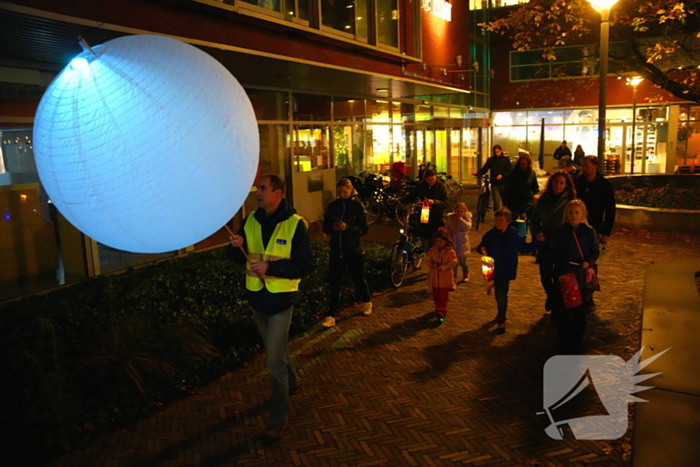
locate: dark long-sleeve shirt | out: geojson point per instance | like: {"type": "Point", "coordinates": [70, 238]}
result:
{"type": "Point", "coordinates": [498, 165]}
{"type": "Point", "coordinates": [438, 194]}
{"type": "Point", "coordinates": [564, 250]}
{"type": "Point", "coordinates": [548, 213]}
{"type": "Point", "coordinates": [518, 190]}
{"type": "Point", "coordinates": [600, 202]}
{"type": "Point", "coordinates": [348, 242]}
{"type": "Point", "coordinates": [504, 247]}
{"type": "Point", "coordinates": [561, 151]}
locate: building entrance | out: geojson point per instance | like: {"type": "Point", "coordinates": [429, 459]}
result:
{"type": "Point", "coordinates": [460, 144]}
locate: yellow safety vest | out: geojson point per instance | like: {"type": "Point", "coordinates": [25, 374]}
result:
{"type": "Point", "coordinates": [279, 247]}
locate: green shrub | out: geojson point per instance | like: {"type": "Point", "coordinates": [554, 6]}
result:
{"type": "Point", "coordinates": [84, 360]}
{"type": "Point", "coordinates": [665, 197]}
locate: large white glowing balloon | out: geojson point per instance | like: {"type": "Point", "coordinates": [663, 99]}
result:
{"type": "Point", "coordinates": [149, 146]}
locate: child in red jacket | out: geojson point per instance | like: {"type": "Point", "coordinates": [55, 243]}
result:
{"type": "Point", "coordinates": [442, 259]}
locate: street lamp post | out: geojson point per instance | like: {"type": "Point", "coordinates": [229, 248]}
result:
{"type": "Point", "coordinates": [634, 82]}
{"type": "Point", "coordinates": [603, 7]}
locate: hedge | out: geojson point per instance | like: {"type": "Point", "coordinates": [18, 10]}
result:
{"type": "Point", "coordinates": [87, 359]}
{"type": "Point", "coordinates": [668, 196]}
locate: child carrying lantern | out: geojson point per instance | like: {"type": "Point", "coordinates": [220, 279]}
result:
{"type": "Point", "coordinates": [442, 260]}
{"type": "Point", "coordinates": [502, 244]}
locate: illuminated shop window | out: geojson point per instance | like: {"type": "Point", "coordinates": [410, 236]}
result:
{"type": "Point", "coordinates": [688, 135]}
{"type": "Point", "coordinates": [423, 113]}
{"type": "Point", "coordinates": [312, 147]}
{"type": "Point", "coordinates": [522, 130]}
{"type": "Point", "coordinates": [343, 147]}
{"type": "Point", "coordinates": [380, 135]}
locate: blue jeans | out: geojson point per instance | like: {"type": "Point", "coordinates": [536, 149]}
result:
{"type": "Point", "coordinates": [274, 330]}
{"type": "Point", "coordinates": [501, 287]}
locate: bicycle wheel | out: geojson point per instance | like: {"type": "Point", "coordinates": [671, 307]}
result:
{"type": "Point", "coordinates": [481, 206]}
{"type": "Point", "coordinates": [372, 210]}
{"type": "Point", "coordinates": [401, 212]}
{"type": "Point", "coordinates": [399, 265]}
{"type": "Point", "coordinates": [417, 258]}
{"type": "Point", "coordinates": [454, 189]}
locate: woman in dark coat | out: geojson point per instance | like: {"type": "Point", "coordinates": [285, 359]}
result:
{"type": "Point", "coordinates": [520, 187]}
{"type": "Point", "coordinates": [432, 190]}
{"type": "Point", "coordinates": [345, 221]}
{"type": "Point", "coordinates": [547, 216]}
{"type": "Point", "coordinates": [574, 249]}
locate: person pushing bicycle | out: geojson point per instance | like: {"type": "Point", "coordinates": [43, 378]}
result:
{"type": "Point", "coordinates": [499, 165]}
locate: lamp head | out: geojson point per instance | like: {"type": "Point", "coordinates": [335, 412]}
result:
{"type": "Point", "coordinates": [600, 5]}
{"type": "Point", "coordinates": [634, 81]}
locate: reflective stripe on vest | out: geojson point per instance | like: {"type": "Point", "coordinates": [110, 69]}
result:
{"type": "Point", "coordinates": [279, 247]}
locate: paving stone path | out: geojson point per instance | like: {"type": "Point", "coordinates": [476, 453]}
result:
{"type": "Point", "coordinates": [395, 389]}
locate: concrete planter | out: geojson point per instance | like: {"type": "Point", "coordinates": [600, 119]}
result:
{"type": "Point", "coordinates": [656, 219]}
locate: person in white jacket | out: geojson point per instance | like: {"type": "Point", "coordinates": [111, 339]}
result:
{"type": "Point", "coordinates": [458, 224]}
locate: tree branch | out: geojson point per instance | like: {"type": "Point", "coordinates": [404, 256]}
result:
{"type": "Point", "coordinates": [638, 62]}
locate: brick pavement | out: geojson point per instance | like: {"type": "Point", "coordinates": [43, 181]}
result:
{"type": "Point", "coordinates": [394, 389]}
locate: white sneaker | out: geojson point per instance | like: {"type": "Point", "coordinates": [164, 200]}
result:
{"type": "Point", "coordinates": [328, 322]}
{"type": "Point", "coordinates": [366, 308]}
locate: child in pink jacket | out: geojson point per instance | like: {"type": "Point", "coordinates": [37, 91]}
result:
{"type": "Point", "coordinates": [442, 260]}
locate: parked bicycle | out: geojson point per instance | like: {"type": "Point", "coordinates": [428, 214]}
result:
{"type": "Point", "coordinates": [482, 204]}
{"type": "Point", "coordinates": [382, 199]}
{"type": "Point", "coordinates": [453, 187]}
{"type": "Point", "coordinates": [407, 253]}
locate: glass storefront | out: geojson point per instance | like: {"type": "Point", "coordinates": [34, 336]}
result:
{"type": "Point", "coordinates": [688, 136]}
{"type": "Point", "coordinates": [40, 249]}
{"type": "Point", "coordinates": [523, 129]}
{"type": "Point", "coordinates": [299, 133]}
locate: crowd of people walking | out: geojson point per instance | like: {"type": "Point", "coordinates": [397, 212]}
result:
{"type": "Point", "coordinates": [568, 221]}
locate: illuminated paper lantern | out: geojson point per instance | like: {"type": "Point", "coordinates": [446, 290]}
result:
{"type": "Point", "coordinates": [487, 269]}
{"type": "Point", "coordinates": [146, 144]}
{"type": "Point", "coordinates": [425, 212]}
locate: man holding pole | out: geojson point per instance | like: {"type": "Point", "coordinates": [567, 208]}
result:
{"type": "Point", "coordinates": [278, 256]}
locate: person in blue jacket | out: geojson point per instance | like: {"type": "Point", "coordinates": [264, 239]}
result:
{"type": "Point", "coordinates": [503, 243]}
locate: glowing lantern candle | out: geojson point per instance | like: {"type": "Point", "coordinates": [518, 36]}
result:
{"type": "Point", "coordinates": [487, 269]}
{"type": "Point", "coordinates": [425, 212]}
{"type": "Point", "coordinates": [146, 144]}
